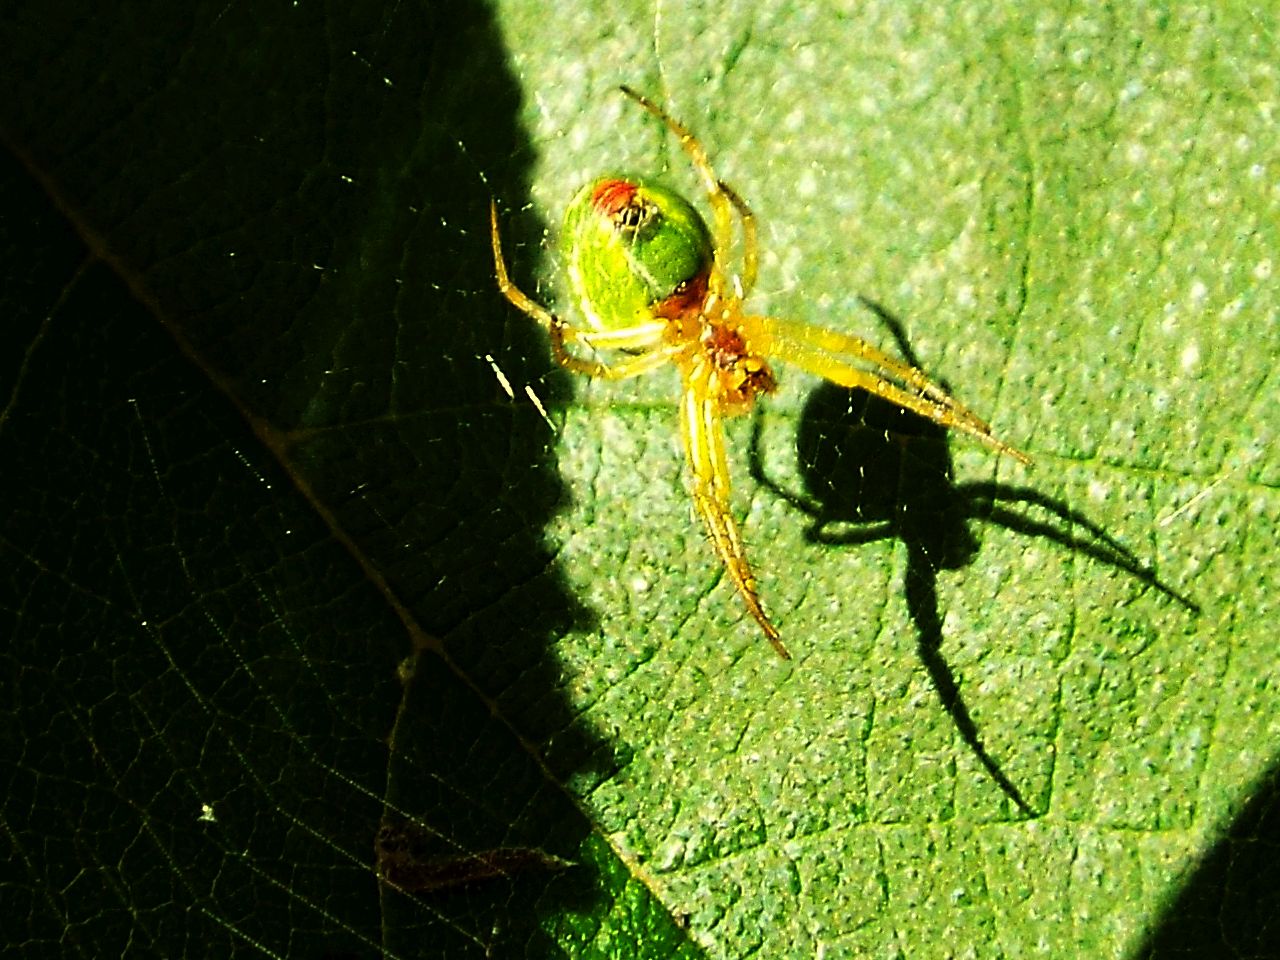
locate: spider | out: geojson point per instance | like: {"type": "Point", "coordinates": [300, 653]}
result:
{"type": "Point", "coordinates": [652, 281]}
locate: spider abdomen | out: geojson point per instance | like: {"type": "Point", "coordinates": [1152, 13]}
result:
{"type": "Point", "coordinates": [638, 251]}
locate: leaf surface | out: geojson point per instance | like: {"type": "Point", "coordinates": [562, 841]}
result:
{"type": "Point", "coordinates": [300, 596]}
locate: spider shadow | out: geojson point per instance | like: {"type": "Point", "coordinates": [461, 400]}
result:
{"type": "Point", "coordinates": [873, 471]}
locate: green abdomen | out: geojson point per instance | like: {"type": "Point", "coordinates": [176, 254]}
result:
{"type": "Point", "coordinates": [631, 244]}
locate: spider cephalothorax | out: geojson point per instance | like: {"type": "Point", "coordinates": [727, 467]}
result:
{"type": "Point", "coordinates": [740, 375]}
{"type": "Point", "coordinates": [652, 281]}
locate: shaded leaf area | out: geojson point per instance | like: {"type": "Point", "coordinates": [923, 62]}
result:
{"type": "Point", "coordinates": [271, 548]}
{"type": "Point", "coordinates": [1229, 905]}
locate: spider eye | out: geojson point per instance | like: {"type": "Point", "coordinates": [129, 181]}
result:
{"type": "Point", "coordinates": [636, 216]}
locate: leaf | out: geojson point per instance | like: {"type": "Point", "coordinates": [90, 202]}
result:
{"type": "Point", "coordinates": [289, 565]}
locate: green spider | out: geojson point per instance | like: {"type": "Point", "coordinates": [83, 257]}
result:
{"type": "Point", "coordinates": [652, 281]}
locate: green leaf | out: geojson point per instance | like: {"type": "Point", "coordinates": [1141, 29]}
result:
{"type": "Point", "coordinates": [299, 596]}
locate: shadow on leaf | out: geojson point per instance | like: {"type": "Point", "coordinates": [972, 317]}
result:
{"type": "Point", "coordinates": [873, 471]}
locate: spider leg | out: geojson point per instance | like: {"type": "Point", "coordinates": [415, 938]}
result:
{"type": "Point", "coordinates": [750, 248]}
{"type": "Point", "coordinates": [701, 430]}
{"type": "Point", "coordinates": [823, 352]}
{"type": "Point", "coordinates": [723, 200]}
{"type": "Point", "coordinates": [514, 294]}
{"type": "Point", "coordinates": [633, 366]}
{"type": "Point", "coordinates": [644, 336]}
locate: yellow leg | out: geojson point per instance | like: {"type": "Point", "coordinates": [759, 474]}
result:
{"type": "Point", "coordinates": [750, 248]}
{"type": "Point", "coordinates": [722, 202]}
{"type": "Point", "coordinates": [638, 336]}
{"type": "Point", "coordinates": [821, 352]}
{"type": "Point", "coordinates": [508, 289]}
{"type": "Point", "coordinates": [630, 367]}
{"type": "Point", "coordinates": [700, 428]}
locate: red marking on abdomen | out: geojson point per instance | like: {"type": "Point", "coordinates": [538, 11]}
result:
{"type": "Point", "coordinates": [610, 196]}
{"type": "Point", "coordinates": [686, 301]}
